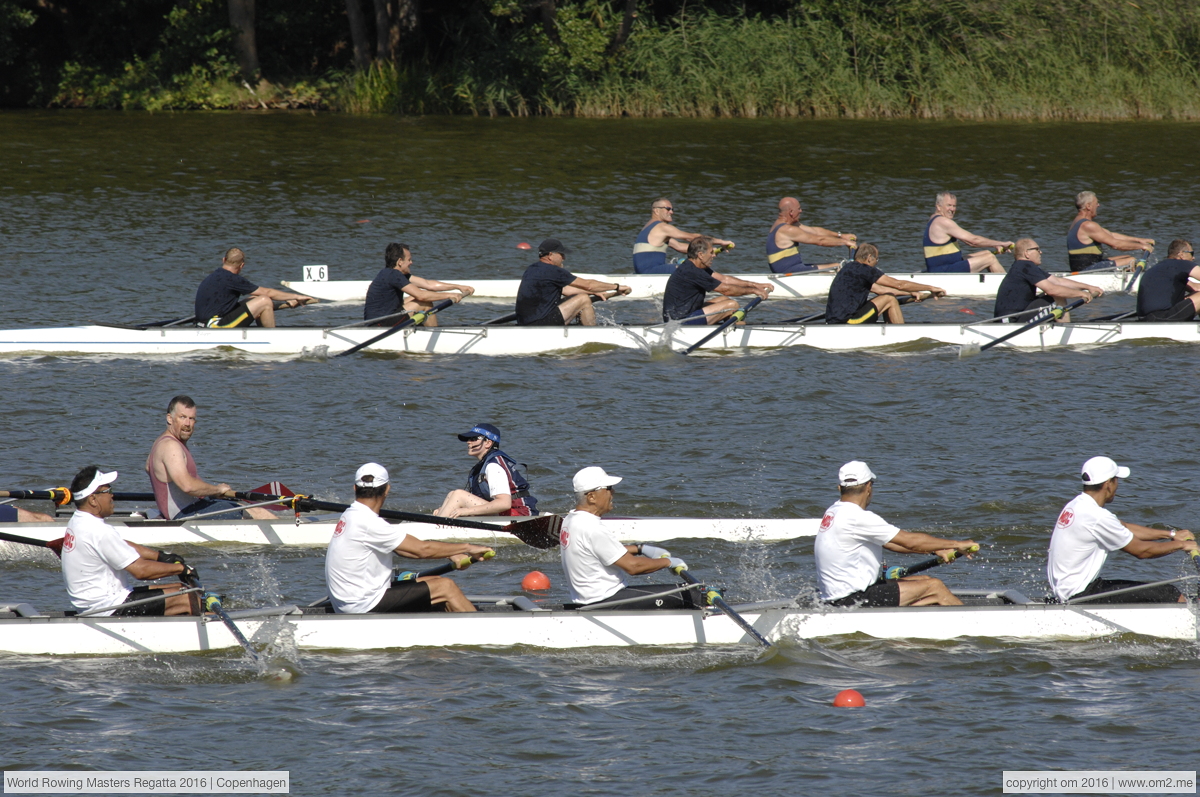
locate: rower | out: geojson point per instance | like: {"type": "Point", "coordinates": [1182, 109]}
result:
{"type": "Point", "coordinates": [396, 288]}
{"type": "Point", "coordinates": [683, 298]}
{"type": "Point", "coordinates": [358, 562]}
{"type": "Point", "coordinates": [1019, 289]}
{"type": "Point", "coordinates": [1086, 532]}
{"type": "Point", "coordinates": [597, 565]}
{"type": "Point", "coordinates": [1170, 289]}
{"type": "Point", "coordinates": [540, 298]}
{"type": "Point", "coordinates": [495, 486]}
{"type": "Point", "coordinates": [849, 551]}
{"type": "Point", "coordinates": [178, 491]}
{"type": "Point", "coordinates": [850, 300]}
{"type": "Point", "coordinates": [226, 299]}
{"type": "Point", "coordinates": [1085, 236]}
{"type": "Point", "coordinates": [658, 236]}
{"type": "Point", "coordinates": [15, 514]}
{"type": "Point", "coordinates": [783, 251]}
{"type": "Point", "coordinates": [95, 559]}
{"type": "Point", "coordinates": [942, 235]}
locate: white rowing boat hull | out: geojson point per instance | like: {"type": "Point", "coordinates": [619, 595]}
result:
{"type": "Point", "coordinates": [527, 341]}
{"type": "Point", "coordinates": [811, 285]}
{"type": "Point", "coordinates": [573, 629]}
{"type": "Point", "coordinates": [285, 531]}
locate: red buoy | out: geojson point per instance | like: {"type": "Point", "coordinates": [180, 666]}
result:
{"type": "Point", "coordinates": [524, 245]}
{"type": "Point", "coordinates": [536, 580]}
{"type": "Point", "coordinates": [849, 698]}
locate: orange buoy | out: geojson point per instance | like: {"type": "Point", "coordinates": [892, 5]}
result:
{"type": "Point", "coordinates": [536, 580]}
{"type": "Point", "coordinates": [524, 245]}
{"type": "Point", "coordinates": [849, 698]}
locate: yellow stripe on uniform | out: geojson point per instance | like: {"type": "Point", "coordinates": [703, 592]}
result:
{"type": "Point", "coordinates": [944, 249]}
{"type": "Point", "coordinates": [1094, 249]}
{"type": "Point", "coordinates": [782, 253]}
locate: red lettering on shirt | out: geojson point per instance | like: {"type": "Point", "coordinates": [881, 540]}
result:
{"type": "Point", "coordinates": [341, 526]}
{"type": "Point", "coordinates": [68, 541]}
{"type": "Point", "coordinates": [563, 538]}
{"type": "Point", "coordinates": [827, 521]}
{"type": "Point", "coordinates": [1066, 517]}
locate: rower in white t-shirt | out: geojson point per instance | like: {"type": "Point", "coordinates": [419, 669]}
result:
{"type": "Point", "coordinates": [358, 562]}
{"type": "Point", "coordinates": [597, 565]}
{"type": "Point", "coordinates": [1086, 532]}
{"type": "Point", "coordinates": [849, 551]}
{"type": "Point", "coordinates": [95, 560]}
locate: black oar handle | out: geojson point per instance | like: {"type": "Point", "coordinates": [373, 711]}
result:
{"type": "Point", "coordinates": [1050, 314]}
{"type": "Point", "coordinates": [415, 318]}
{"type": "Point", "coordinates": [899, 571]}
{"type": "Point", "coordinates": [62, 495]}
{"type": "Point", "coordinates": [714, 597]}
{"type": "Point", "coordinates": [733, 319]}
{"type": "Point", "coordinates": [440, 570]}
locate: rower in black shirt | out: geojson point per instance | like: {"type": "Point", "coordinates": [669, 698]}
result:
{"type": "Point", "coordinates": [850, 300]}
{"type": "Point", "coordinates": [1169, 289]}
{"type": "Point", "coordinates": [551, 296]}
{"type": "Point", "coordinates": [1019, 290]}
{"type": "Point", "coordinates": [226, 299]}
{"type": "Point", "coordinates": [691, 282]}
{"type": "Point", "coordinates": [396, 287]}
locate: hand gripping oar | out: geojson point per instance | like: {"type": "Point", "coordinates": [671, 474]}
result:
{"type": "Point", "coordinates": [733, 319]}
{"type": "Point", "coordinates": [899, 571]}
{"type": "Point", "coordinates": [714, 598]}
{"type": "Point", "coordinates": [54, 545]}
{"type": "Point", "coordinates": [212, 603]}
{"type": "Point", "coordinates": [413, 320]}
{"type": "Point", "coordinates": [440, 570]}
{"type": "Point", "coordinates": [1050, 314]}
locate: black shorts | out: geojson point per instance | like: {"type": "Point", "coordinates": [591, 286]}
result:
{"type": "Point", "coordinates": [1088, 262]}
{"type": "Point", "coordinates": [1182, 311]}
{"type": "Point", "coordinates": [554, 318]}
{"type": "Point", "coordinates": [403, 597]}
{"type": "Point", "coordinates": [239, 316]}
{"type": "Point", "coordinates": [156, 609]}
{"type": "Point", "coordinates": [886, 593]}
{"type": "Point", "coordinates": [867, 313]}
{"type": "Point", "coordinates": [1164, 593]}
{"type": "Point", "coordinates": [680, 600]}
{"type": "Point", "coordinates": [1032, 309]}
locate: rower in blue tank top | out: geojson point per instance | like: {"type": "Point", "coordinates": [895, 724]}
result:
{"type": "Point", "coordinates": [1085, 237]}
{"type": "Point", "coordinates": [659, 237]}
{"type": "Point", "coordinates": [941, 239]}
{"type": "Point", "coordinates": [783, 250]}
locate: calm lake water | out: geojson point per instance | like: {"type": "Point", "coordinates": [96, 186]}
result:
{"type": "Point", "coordinates": [117, 217]}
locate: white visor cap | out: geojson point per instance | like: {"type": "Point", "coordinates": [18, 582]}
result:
{"type": "Point", "coordinates": [593, 478]}
{"type": "Point", "coordinates": [98, 481]}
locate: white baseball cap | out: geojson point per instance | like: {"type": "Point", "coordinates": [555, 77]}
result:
{"type": "Point", "coordinates": [593, 478]}
{"type": "Point", "coordinates": [98, 481]}
{"type": "Point", "coordinates": [378, 474]}
{"type": "Point", "coordinates": [855, 473]}
{"type": "Point", "coordinates": [1098, 470]}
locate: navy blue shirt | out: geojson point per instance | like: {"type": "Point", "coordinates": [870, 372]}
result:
{"type": "Point", "coordinates": [687, 287]}
{"type": "Point", "coordinates": [219, 293]}
{"type": "Point", "coordinates": [850, 288]}
{"type": "Point", "coordinates": [1019, 287]}
{"type": "Point", "coordinates": [541, 292]}
{"type": "Point", "coordinates": [1163, 285]}
{"type": "Point", "coordinates": [386, 294]}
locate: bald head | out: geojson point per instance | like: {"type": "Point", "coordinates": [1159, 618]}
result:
{"type": "Point", "coordinates": [235, 257]}
{"type": "Point", "coordinates": [1023, 246]}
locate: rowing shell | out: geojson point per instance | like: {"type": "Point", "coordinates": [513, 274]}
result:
{"type": "Point", "coordinates": [525, 341]}
{"type": "Point", "coordinates": [285, 531]}
{"type": "Point", "coordinates": [805, 285]}
{"type": "Point", "coordinates": [516, 620]}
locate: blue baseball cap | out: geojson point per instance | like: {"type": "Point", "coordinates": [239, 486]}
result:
{"type": "Point", "coordinates": [482, 430]}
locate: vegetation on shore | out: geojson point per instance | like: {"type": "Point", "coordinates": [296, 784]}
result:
{"type": "Point", "coordinates": [973, 59]}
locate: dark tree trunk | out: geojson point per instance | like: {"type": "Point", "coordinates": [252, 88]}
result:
{"type": "Point", "coordinates": [404, 19]}
{"type": "Point", "coordinates": [626, 26]}
{"type": "Point", "coordinates": [241, 19]}
{"type": "Point", "coordinates": [383, 27]}
{"type": "Point", "coordinates": [550, 20]}
{"type": "Point", "coordinates": [358, 34]}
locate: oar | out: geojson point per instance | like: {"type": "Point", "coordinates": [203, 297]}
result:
{"type": "Point", "coordinates": [509, 318]}
{"type": "Point", "coordinates": [174, 323]}
{"type": "Point", "coordinates": [54, 545]}
{"type": "Point", "coordinates": [440, 570]}
{"type": "Point", "coordinates": [414, 320]}
{"type": "Point", "coordinates": [212, 603]}
{"type": "Point", "coordinates": [899, 571]}
{"type": "Point", "coordinates": [61, 495]}
{"type": "Point", "coordinates": [733, 319]}
{"type": "Point", "coordinates": [1050, 314]}
{"type": "Point", "coordinates": [905, 299]}
{"type": "Point", "coordinates": [713, 596]}
{"type": "Point", "coordinates": [1195, 559]}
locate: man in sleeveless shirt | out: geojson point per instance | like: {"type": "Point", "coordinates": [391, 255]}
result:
{"type": "Point", "coordinates": [1085, 237]}
{"type": "Point", "coordinates": [1170, 289]}
{"type": "Point", "coordinates": [942, 235]}
{"type": "Point", "coordinates": [783, 251]}
{"type": "Point", "coordinates": [178, 490]}
{"type": "Point", "coordinates": [660, 235]}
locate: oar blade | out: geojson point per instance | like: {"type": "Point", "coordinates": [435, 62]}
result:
{"type": "Point", "coordinates": [540, 532]}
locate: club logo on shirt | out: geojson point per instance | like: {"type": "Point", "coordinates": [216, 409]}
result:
{"type": "Point", "coordinates": [563, 537]}
{"type": "Point", "coordinates": [1066, 517]}
{"type": "Point", "coordinates": [68, 541]}
{"type": "Point", "coordinates": [341, 526]}
{"type": "Point", "coordinates": [827, 521]}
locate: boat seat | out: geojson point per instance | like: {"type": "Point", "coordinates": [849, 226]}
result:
{"type": "Point", "coordinates": [21, 610]}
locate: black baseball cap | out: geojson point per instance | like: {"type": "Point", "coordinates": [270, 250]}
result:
{"type": "Point", "coordinates": [551, 245]}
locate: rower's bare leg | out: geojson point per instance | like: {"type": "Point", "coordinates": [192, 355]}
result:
{"type": "Point", "coordinates": [1124, 261]}
{"type": "Point", "coordinates": [984, 261]}
{"type": "Point", "coordinates": [889, 308]}
{"type": "Point", "coordinates": [27, 516]}
{"type": "Point", "coordinates": [445, 591]}
{"type": "Point", "coordinates": [718, 310]}
{"type": "Point", "coordinates": [413, 306]}
{"type": "Point", "coordinates": [1195, 297]}
{"type": "Point", "coordinates": [579, 305]}
{"type": "Point", "coordinates": [260, 513]}
{"type": "Point", "coordinates": [263, 310]}
{"type": "Point", "coordinates": [457, 501]}
{"type": "Point", "coordinates": [827, 266]}
{"type": "Point", "coordinates": [926, 591]}
{"type": "Point", "coordinates": [178, 605]}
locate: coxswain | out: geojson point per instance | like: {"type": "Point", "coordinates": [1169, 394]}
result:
{"type": "Point", "coordinates": [396, 288]}
{"type": "Point", "coordinates": [495, 486]}
{"type": "Point", "coordinates": [688, 286]}
{"type": "Point", "coordinates": [850, 300]}
{"type": "Point", "coordinates": [95, 560]}
{"type": "Point", "coordinates": [1018, 290]}
{"type": "Point", "coordinates": [226, 299]}
{"type": "Point", "coordinates": [658, 236]}
{"type": "Point", "coordinates": [1085, 236]}
{"type": "Point", "coordinates": [849, 551]}
{"type": "Point", "coordinates": [178, 491]}
{"type": "Point", "coordinates": [551, 296]}
{"type": "Point", "coordinates": [358, 561]}
{"type": "Point", "coordinates": [1170, 289]}
{"type": "Point", "coordinates": [783, 250]}
{"type": "Point", "coordinates": [597, 565]}
{"type": "Point", "coordinates": [1086, 532]}
{"type": "Point", "coordinates": [942, 235]}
